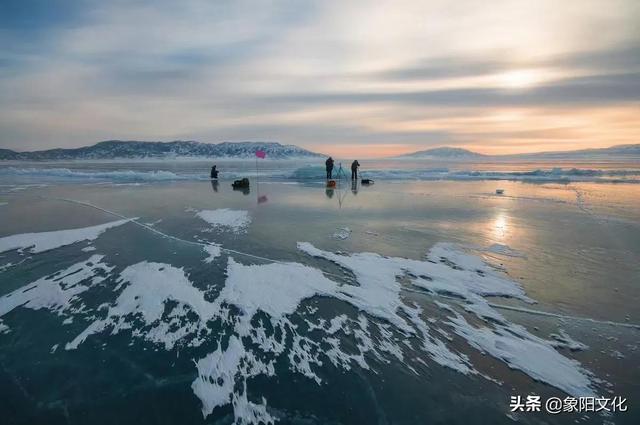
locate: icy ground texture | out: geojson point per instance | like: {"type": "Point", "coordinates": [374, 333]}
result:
{"type": "Point", "coordinates": [227, 219]}
{"type": "Point", "coordinates": [272, 319]}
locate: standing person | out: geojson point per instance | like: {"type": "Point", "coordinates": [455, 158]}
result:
{"type": "Point", "coordinates": [329, 164]}
{"type": "Point", "coordinates": [354, 170]}
{"type": "Point", "coordinates": [214, 172]}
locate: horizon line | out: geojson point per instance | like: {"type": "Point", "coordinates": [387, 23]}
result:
{"type": "Point", "coordinates": [417, 150]}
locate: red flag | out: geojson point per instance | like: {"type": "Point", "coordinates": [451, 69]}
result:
{"type": "Point", "coordinates": [261, 154]}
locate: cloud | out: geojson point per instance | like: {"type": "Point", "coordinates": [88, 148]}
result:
{"type": "Point", "coordinates": [322, 74]}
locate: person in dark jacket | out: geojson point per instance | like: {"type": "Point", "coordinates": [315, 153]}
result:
{"type": "Point", "coordinates": [214, 172]}
{"type": "Point", "coordinates": [354, 170]}
{"type": "Point", "coordinates": [329, 164]}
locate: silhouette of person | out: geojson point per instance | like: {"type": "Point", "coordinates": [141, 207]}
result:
{"type": "Point", "coordinates": [354, 170]}
{"type": "Point", "coordinates": [214, 172]}
{"type": "Point", "coordinates": [329, 166]}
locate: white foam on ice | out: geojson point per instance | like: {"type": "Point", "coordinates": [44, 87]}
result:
{"type": "Point", "coordinates": [45, 241]}
{"type": "Point", "coordinates": [226, 219]}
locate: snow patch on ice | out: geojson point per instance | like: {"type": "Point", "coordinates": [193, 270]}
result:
{"type": "Point", "coordinates": [58, 292]}
{"type": "Point", "coordinates": [342, 233]}
{"type": "Point", "coordinates": [149, 288]}
{"type": "Point", "coordinates": [213, 250]}
{"type": "Point", "coordinates": [45, 241]}
{"type": "Point", "coordinates": [216, 382]}
{"type": "Point", "coordinates": [226, 219]}
{"type": "Point", "coordinates": [563, 340]}
{"type": "Point", "coordinates": [262, 305]}
{"type": "Point", "coordinates": [452, 271]}
{"type": "Point", "coordinates": [276, 289]}
{"type": "Point", "coordinates": [534, 356]}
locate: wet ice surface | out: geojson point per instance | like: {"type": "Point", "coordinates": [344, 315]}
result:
{"type": "Point", "coordinates": [191, 328]}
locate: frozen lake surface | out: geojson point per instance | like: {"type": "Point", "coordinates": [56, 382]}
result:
{"type": "Point", "coordinates": [144, 293]}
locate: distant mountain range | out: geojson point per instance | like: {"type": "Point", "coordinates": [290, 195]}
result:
{"type": "Point", "coordinates": [448, 153]}
{"type": "Point", "coordinates": [117, 149]}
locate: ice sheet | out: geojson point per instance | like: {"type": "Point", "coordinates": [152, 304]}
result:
{"type": "Point", "coordinates": [318, 173]}
{"type": "Point", "coordinates": [262, 304]}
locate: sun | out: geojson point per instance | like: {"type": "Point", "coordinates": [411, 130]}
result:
{"type": "Point", "coordinates": [518, 79]}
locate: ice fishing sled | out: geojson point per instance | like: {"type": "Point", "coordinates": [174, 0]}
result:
{"type": "Point", "coordinates": [240, 184]}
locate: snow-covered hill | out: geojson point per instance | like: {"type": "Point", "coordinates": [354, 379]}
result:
{"type": "Point", "coordinates": [458, 154]}
{"type": "Point", "coordinates": [445, 152]}
{"type": "Point", "coordinates": [116, 149]}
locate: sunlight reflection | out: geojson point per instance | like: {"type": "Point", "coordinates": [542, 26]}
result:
{"type": "Point", "coordinates": [500, 227]}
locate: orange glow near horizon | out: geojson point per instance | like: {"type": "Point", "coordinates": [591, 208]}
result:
{"type": "Point", "coordinates": [372, 151]}
{"type": "Point", "coordinates": [498, 131]}
{"type": "Point", "coordinates": [365, 151]}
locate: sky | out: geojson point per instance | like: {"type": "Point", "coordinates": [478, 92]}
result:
{"type": "Point", "coordinates": [366, 78]}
